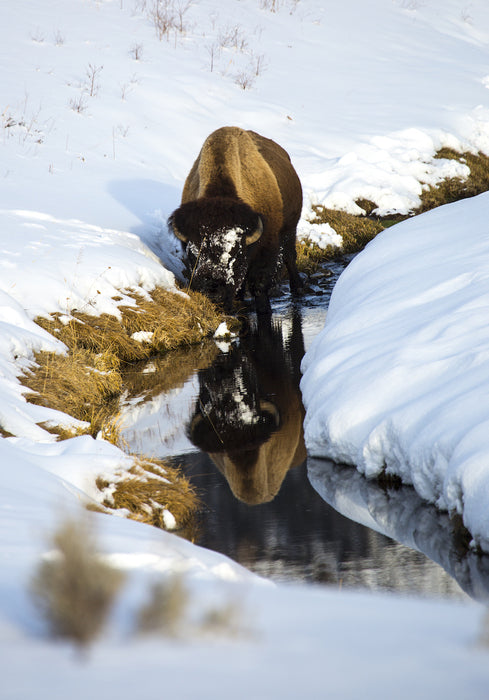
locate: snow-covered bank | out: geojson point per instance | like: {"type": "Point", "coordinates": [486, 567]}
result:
{"type": "Point", "coordinates": [399, 377]}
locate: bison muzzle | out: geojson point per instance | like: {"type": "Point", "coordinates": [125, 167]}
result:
{"type": "Point", "coordinates": [237, 221]}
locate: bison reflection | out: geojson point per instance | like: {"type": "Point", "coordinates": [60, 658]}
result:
{"type": "Point", "coordinates": [249, 413]}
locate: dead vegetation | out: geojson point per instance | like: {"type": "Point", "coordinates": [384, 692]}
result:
{"type": "Point", "coordinates": [166, 608]}
{"type": "Point", "coordinates": [103, 361]}
{"type": "Point", "coordinates": [73, 588]}
{"type": "Point", "coordinates": [87, 382]}
{"type": "Point", "coordinates": [454, 189]}
{"type": "Point", "coordinates": [357, 231]}
{"type": "Point", "coordinates": [160, 322]}
{"type": "Point", "coordinates": [155, 493]}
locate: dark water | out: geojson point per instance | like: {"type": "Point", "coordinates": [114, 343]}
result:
{"type": "Point", "coordinates": [234, 424]}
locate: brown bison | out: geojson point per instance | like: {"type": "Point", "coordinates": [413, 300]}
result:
{"type": "Point", "coordinates": [248, 415]}
{"type": "Point", "coordinates": [240, 206]}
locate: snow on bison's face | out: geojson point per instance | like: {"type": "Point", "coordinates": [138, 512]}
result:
{"type": "Point", "coordinates": [216, 235]}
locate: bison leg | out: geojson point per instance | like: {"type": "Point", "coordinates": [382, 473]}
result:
{"type": "Point", "coordinates": [290, 259]}
{"type": "Point", "coordinates": [262, 304]}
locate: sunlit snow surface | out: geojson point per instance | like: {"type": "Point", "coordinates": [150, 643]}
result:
{"type": "Point", "coordinates": [100, 122]}
{"type": "Point", "coordinates": [399, 377]}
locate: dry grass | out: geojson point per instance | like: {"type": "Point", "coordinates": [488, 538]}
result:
{"type": "Point", "coordinates": [454, 189]}
{"type": "Point", "coordinates": [74, 589]}
{"type": "Point", "coordinates": [165, 610]}
{"type": "Point", "coordinates": [357, 231]}
{"type": "Point", "coordinates": [87, 382]}
{"type": "Point", "coordinates": [74, 384]}
{"type": "Point", "coordinates": [150, 488]}
{"type": "Point", "coordinates": [170, 320]}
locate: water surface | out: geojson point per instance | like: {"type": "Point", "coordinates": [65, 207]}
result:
{"type": "Point", "coordinates": [230, 413]}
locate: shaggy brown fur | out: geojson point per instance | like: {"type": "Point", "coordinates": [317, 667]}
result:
{"type": "Point", "coordinates": [241, 182]}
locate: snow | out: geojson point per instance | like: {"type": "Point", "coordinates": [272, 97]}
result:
{"type": "Point", "coordinates": [321, 235]}
{"type": "Point", "coordinates": [398, 378]}
{"type": "Point", "coordinates": [100, 121]}
{"type": "Point", "coordinates": [228, 242]}
{"type": "Point", "coordinates": [222, 331]}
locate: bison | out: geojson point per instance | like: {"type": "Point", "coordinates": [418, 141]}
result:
{"type": "Point", "coordinates": [238, 217]}
{"type": "Point", "coordinates": [249, 413]}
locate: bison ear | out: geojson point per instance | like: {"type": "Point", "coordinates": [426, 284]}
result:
{"type": "Point", "coordinates": [253, 237]}
{"type": "Point", "coordinates": [173, 228]}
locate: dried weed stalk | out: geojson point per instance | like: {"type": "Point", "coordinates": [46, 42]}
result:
{"type": "Point", "coordinates": [165, 610]}
{"type": "Point", "coordinates": [73, 588]}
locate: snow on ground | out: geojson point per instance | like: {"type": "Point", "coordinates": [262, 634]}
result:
{"type": "Point", "coordinates": [398, 379]}
{"type": "Point", "coordinates": [100, 120]}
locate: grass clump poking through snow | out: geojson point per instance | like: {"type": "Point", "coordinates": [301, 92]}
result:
{"type": "Point", "coordinates": [165, 610]}
{"type": "Point", "coordinates": [456, 188]}
{"type": "Point", "coordinates": [79, 384]}
{"type": "Point", "coordinates": [357, 230]}
{"type": "Point", "coordinates": [154, 493]}
{"type": "Point", "coordinates": [86, 383]}
{"type": "Point", "coordinates": [73, 588]}
{"type": "Point", "coordinates": [163, 321]}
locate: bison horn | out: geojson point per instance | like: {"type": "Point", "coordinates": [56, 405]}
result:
{"type": "Point", "coordinates": [256, 233]}
{"type": "Point", "coordinates": [272, 410]}
{"type": "Point", "coordinates": [175, 231]}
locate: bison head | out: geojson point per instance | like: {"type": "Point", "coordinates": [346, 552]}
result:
{"type": "Point", "coordinates": [217, 234]}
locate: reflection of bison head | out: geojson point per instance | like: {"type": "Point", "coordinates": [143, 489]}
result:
{"type": "Point", "coordinates": [240, 206]}
{"type": "Point", "coordinates": [249, 413]}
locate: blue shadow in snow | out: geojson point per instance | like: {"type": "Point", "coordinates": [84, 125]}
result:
{"type": "Point", "coordinates": [152, 202]}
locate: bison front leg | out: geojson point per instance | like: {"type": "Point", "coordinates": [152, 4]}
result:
{"type": "Point", "coordinates": [260, 281]}
{"type": "Point", "coordinates": [290, 259]}
{"type": "Point", "coordinates": [262, 304]}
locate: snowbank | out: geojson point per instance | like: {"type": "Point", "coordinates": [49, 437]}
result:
{"type": "Point", "coordinates": [399, 377]}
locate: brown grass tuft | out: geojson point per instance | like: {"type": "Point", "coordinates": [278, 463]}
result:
{"type": "Point", "coordinates": [166, 608]}
{"type": "Point", "coordinates": [356, 232]}
{"type": "Point", "coordinates": [72, 384]}
{"type": "Point", "coordinates": [74, 589]}
{"type": "Point", "coordinates": [87, 382]}
{"type": "Point", "coordinates": [171, 320]}
{"type": "Point", "coordinates": [454, 189]}
{"type": "Point", "coordinates": [150, 488]}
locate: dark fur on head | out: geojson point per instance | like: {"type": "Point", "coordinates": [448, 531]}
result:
{"type": "Point", "coordinates": [200, 217]}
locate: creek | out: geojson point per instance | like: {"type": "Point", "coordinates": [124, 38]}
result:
{"type": "Point", "coordinates": [230, 414]}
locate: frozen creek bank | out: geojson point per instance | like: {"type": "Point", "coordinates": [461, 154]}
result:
{"type": "Point", "coordinates": [398, 378]}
